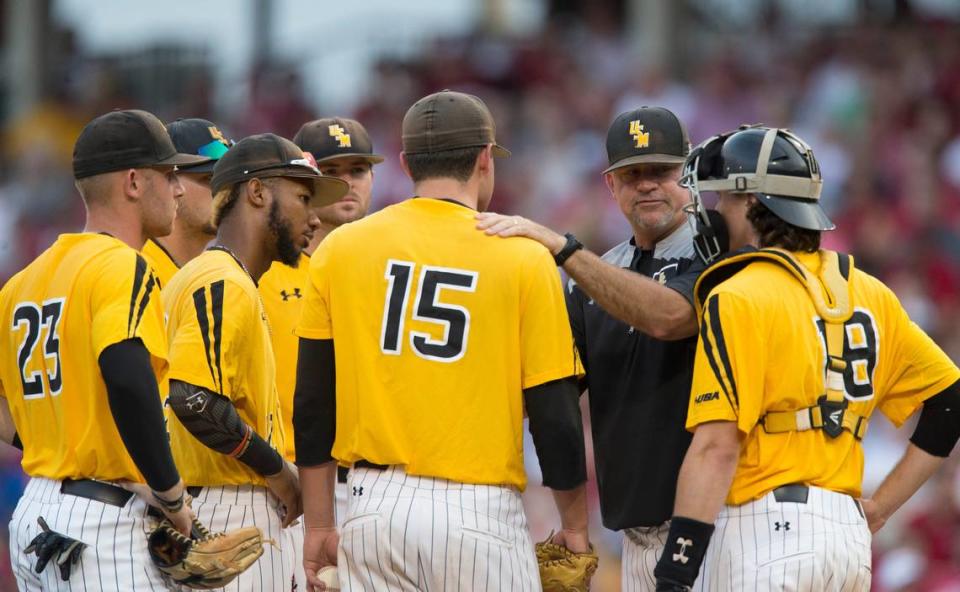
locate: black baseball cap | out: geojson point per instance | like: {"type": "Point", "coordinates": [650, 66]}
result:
{"type": "Point", "coordinates": [269, 155]}
{"type": "Point", "coordinates": [200, 137]}
{"type": "Point", "coordinates": [129, 139]}
{"type": "Point", "coordinates": [336, 137]}
{"type": "Point", "coordinates": [646, 135]}
{"type": "Point", "coordinates": [448, 120]}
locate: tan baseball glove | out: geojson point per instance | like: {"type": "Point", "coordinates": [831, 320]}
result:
{"type": "Point", "coordinates": [562, 570]}
{"type": "Point", "coordinates": [204, 560]}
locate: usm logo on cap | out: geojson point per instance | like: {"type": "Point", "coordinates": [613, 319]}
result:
{"type": "Point", "coordinates": [216, 134]}
{"type": "Point", "coordinates": [340, 135]}
{"type": "Point", "coordinates": [641, 138]}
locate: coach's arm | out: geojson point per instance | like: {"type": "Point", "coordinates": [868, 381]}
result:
{"type": "Point", "coordinates": [644, 304]}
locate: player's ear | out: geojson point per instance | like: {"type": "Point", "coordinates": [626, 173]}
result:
{"type": "Point", "coordinates": [256, 193]}
{"type": "Point", "coordinates": [404, 165]}
{"type": "Point", "coordinates": [133, 183]}
{"type": "Point", "coordinates": [484, 159]}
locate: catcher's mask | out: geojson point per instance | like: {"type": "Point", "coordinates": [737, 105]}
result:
{"type": "Point", "coordinates": [772, 163]}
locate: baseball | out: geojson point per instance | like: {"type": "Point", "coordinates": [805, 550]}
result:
{"type": "Point", "coordinates": [328, 575]}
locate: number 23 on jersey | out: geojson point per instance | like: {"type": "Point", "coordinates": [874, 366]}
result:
{"type": "Point", "coordinates": [30, 319]}
{"type": "Point", "coordinates": [427, 307]}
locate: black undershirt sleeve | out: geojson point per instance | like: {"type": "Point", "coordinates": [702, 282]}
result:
{"type": "Point", "coordinates": [213, 420]}
{"type": "Point", "coordinates": [938, 429]}
{"type": "Point", "coordinates": [135, 405]}
{"type": "Point", "coordinates": [315, 402]}
{"type": "Point", "coordinates": [16, 442]}
{"type": "Point", "coordinates": [557, 430]}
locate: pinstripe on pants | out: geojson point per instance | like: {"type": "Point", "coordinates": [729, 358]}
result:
{"type": "Point", "coordinates": [417, 533]}
{"type": "Point", "coordinates": [642, 547]}
{"type": "Point", "coordinates": [820, 546]}
{"type": "Point", "coordinates": [116, 558]}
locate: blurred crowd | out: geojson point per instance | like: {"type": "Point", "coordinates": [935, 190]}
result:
{"type": "Point", "coordinates": [879, 105]}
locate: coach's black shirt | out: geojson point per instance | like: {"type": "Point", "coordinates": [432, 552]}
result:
{"type": "Point", "coordinates": [639, 389]}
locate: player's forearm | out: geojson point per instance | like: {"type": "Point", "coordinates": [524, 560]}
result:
{"type": "Point", "coordinates": [316, 486]}
{"type": "Point", "coordinates": [213, 420]}
{"type": "Point", "coordinates": [707, 471]}
{"type": "Point", "coordinates": [637, 300]}
{"type": "Point", "coordinates": [912, 471]}
{"type": "Point", "coordinates": [134, 400]}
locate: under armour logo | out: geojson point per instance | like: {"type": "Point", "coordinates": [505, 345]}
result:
{"type": "Point", "coordinates": [287, 295]}
{"type": "Point", "coordinates": [358, 490]}
{"type": "Point", "coordinates": [681, 556]}
{"type": "Point", "coordinates": [197, 402]}
{"type": "Point", "coordinates": [781, 526]}
{"type": "Point", "coordinates": [340, 134]}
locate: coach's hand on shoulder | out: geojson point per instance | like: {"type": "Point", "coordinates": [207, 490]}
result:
{"type": "Point", "coordinates": [319, 550]}
{"type": "Point", "coordinates": [874, 514]}
{"type": "Point", "coordinates": [286, 486]}
{"type": "Point", "coordinates": [500, 225]}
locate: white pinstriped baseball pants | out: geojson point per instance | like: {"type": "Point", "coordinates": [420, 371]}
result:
{"type": "Point", "coordinates": [820, 546]}
{"type": "Point", "coordinates": [228, 507]}
{"type": "Point", "coordinates": [642, 547]}
{"type": "Point", "coordinates": [116, 558]}
{"type": "Point", "coordinates": [416, 533]}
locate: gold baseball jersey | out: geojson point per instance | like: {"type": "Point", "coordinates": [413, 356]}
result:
{"type": "Point", "coordinates": [85, 293]}
{"type": "Point", "coordinates": [282, 289]}
{"type": "Point", "coordinates": [762, 349]}
{"type": "Point", "coordinates": [160, 260]}
{"type": "Point", "coordinates": [220, 340]}
{"type": "Point", "coordinates": [437, 328]}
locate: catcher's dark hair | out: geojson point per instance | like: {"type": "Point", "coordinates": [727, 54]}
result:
{"type": "Point", "coordinates": [456, 164]}
{"type": "Point", "coordinates": [774, 232]}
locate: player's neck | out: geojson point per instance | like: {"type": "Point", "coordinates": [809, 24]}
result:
{"type": "Point", "coordinates": [117, 226]}
{"type": "Point", "coordinates": [246, 244]}
{"type": "Point", "coordinates": [444, 188]}
{"type": "Point", "coordinates": [183, 247]}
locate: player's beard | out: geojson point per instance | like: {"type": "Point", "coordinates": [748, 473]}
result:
{"type": "Point", "coordinates": [288, 252]}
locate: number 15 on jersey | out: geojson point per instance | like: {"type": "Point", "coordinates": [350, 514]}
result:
{"type": "Point", "coordinates": [427, 307]}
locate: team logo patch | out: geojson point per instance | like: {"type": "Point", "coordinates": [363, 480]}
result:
{"type": "Point", "coordinates": [308, 161]}
{"type": "Point", "coordinates": [641, 138]}
{"type": "Point", "coordinates": [340, 135]}
{"type": "Point", "coordinates": [704, 397]}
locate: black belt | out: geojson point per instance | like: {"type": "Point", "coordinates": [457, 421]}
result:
{"type": "Point", "coordinates": [793, 493]}
{"type": "Point", "coordinates": [194, 490]}
{"type": "Point", "coordinates": [365, 464]}
{"type": "Point", "coordinates": [96, 490]}
{"type": "Point", "coordinates": [342, 474]}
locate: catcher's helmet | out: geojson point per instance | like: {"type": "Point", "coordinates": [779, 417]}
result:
{"type": "Point", "coordinates": [771, 163]}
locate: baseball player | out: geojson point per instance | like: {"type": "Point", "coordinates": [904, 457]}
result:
{"type": "Point", "coordinates": [634, 323]}
{"type": "Point", "coordinates": [83, 349]}
{"type": "Point", "coordinates": [192, 229]}
{"type": "Point", "coordinates": [797, 348]}
{"type": "Point", "coordinates": [227, 434]}
{"type": "Point", "coordinates": [443, 337]}
{"type": "Point", "coordinates": [342, 149]}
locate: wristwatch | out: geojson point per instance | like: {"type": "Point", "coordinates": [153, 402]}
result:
{"type": "Point", "coordinates": [572, 246]}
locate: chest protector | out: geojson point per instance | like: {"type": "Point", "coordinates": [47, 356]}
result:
{"type": "Point", "coordinates": [830, 292]}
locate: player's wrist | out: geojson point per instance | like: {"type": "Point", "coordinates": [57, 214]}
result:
{"type": "Point", "coordinates": [683, 554]}
{"type": "Point", "coordinates": [171, 500]}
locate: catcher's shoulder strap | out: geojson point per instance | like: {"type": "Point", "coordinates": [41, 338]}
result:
{"type": "Point", "coordinates": [831, 295]}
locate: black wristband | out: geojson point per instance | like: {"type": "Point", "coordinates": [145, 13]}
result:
{"type": "Point", "coordinates": [172, 506]}
{"type": "Point", "coordinates": [684, 551]}
{"type": "Point", "coordinates": [572, 246]}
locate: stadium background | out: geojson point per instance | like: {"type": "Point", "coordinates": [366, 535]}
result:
{"type": "Point", "coordinates": [873, 85]}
